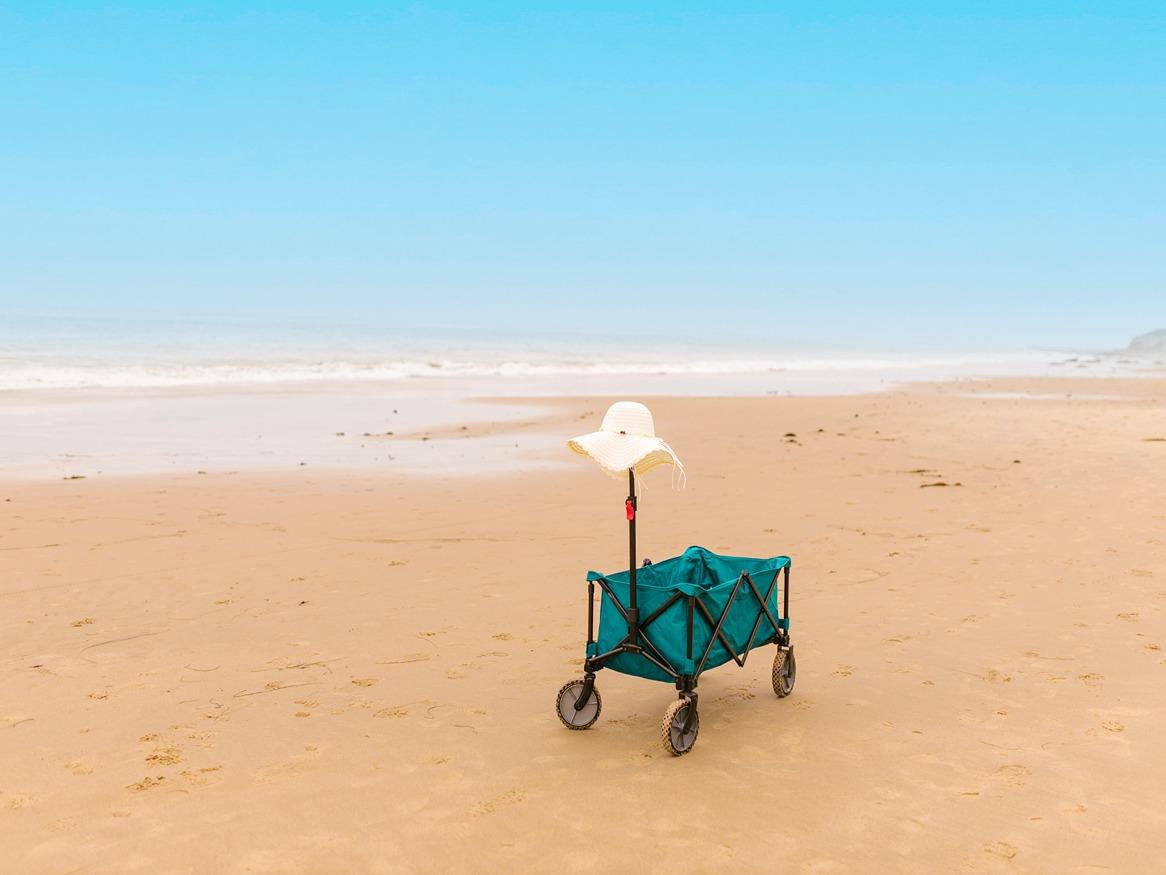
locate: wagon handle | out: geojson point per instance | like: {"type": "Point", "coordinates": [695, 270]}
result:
{"type": "Point", "coordinates": [630, 511]}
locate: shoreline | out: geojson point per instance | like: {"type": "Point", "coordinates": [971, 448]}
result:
{"type": "Point", "coordinates": [437, 427]}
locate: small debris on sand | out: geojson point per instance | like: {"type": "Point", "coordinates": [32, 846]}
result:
{"type": "Point", "coordinates": [145, 784]}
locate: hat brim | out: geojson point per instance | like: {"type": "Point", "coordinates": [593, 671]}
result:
{"type": "Point", "coordinates": [616, 453]}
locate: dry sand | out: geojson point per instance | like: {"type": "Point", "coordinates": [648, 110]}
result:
{"type": "Point", "coordinates": [341, 672]}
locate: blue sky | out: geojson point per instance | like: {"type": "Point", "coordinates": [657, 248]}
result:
{"type": "Point", "coordinates": [853, 172]}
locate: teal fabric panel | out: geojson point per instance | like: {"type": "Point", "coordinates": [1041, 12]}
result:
{"type": "Point", "coordinates": [697, 572]}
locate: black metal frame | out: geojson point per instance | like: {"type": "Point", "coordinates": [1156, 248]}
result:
{"type": "Point", "coordinates": [638, 641]}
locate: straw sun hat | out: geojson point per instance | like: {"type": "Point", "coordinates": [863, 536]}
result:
{"type": "Point", "coordinates": [626, 439]}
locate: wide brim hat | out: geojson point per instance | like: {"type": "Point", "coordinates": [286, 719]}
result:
{"type": "Point", "coordinates": [626, 439]}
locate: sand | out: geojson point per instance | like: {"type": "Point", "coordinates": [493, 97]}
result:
{"type": "Point", "coordinates": [339, 671]}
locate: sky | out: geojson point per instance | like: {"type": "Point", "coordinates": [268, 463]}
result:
{"type": "Point", "coordinates": [863, 173]}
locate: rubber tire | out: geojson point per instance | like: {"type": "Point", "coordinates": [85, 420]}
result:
{"type": "Point", "coordinates": [563, 691]}
{"type": "Point", "coordinates": [673, 742]}
{"type": "Point", "coordinates": [784, 675]}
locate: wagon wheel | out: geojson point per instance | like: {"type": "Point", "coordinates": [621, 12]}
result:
{"type": "Point", "coordinates": [672, 735]}
{"type": "Point", "coordinates": [785, 671]}
{"type": "Point", "coordinates": [577, 718]}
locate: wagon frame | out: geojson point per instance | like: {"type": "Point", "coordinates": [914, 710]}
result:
{"type": "Point", "coordinates": [578, 703]}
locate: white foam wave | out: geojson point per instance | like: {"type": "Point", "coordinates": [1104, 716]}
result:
{"type": "Point", "coordinates": [30, 375]}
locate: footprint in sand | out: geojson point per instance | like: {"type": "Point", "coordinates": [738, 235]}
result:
{"type": "Point", "coordinates": [843, 671]}
{"type": "Point", "coordinates": [510, 797]}
{"type": "Point", "coordinates": [398, 711]}
{"type": "Point", "coordinates": [1014, 775]}
{"type": "Point", "coordinates": [737, 694]}
{"type": "Point", "coordinates": [363, 682]}
{"type": "Point", "coordinates": [1113, 726]}
{"type": "Point", "coordinates": [145, 784]}
{"type": "Point", "coordinates": [199, 777]}
{"type": "Point", "coordinates": [293, 767]}
{"type": "Point", "coordinates": [503, 636]}
{"type": "Point", "coordinates": [164, 756]}
{"type": "Point", "coordinates": [996, 677]}
{"type": "Point", "coordinates": [1092, 678]}
{"type": "Point", "coordinates": [1001, 849]}
{"type": "Point", "coordinates": [1129, 616]}
{"type": "Point", "coordinates": [460, 671]}
{"type": "Point", "coordinates": [86, 621]}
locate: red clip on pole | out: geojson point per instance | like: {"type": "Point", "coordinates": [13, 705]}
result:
{"type": "Point", "coordinates": [631, 510]}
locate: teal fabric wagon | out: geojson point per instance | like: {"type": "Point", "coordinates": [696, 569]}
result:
{"type": "Point", "coordinates": [735, 608]}
{"type": "Point", "coordinates": [672, 620]}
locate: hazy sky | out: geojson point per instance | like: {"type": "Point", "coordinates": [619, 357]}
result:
{"type": "Point", "coordinates": [856, 172]}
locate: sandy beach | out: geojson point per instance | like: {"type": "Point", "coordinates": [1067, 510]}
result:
{"type": "Point", "coordinates": [334, 670]}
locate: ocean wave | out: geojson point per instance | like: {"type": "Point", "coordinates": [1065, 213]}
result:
{"type": "Point", "coordinates": [18, 374]}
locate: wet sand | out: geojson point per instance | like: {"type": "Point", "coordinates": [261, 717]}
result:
{"type": "Point", "coordinates": [355, 670]}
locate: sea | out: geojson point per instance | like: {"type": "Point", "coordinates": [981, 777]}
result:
{"type": "Point", "coordinates": [63, 352]}
{"type": "Point", "coordinates": [101, 397]}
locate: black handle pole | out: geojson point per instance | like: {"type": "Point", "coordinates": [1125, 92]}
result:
{"type": "Point", "coordinates": [633, 612]}
{"type": "Point", "coordinates": [631, 533]}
